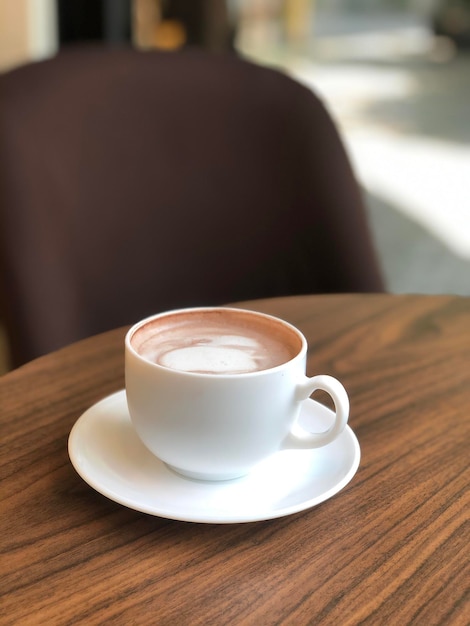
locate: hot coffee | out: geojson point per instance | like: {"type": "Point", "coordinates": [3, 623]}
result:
{"type": "Point", "coordinates": [214, 391]}
{"type": "Point", "coordinates": [216, 341]}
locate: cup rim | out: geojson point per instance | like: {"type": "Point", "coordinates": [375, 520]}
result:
{"type": "Point", "coordinates": [135, 327]}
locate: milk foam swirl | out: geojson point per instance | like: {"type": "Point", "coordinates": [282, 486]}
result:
{"type": "Point", "coordinates": [224, 354]}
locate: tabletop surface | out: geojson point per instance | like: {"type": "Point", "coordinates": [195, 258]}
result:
{"type": "Point", "coordinates": [391, 548]}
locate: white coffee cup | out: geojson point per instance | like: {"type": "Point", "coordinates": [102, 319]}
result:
{"type": "Point", "coordinates": [213, 391]}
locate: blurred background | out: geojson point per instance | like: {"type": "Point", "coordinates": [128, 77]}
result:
{"type": "Point", "coordinates": [395, 75]}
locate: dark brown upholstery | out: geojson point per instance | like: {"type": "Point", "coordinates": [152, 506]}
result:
{"type": "Point", "coordinates": [134, 182]}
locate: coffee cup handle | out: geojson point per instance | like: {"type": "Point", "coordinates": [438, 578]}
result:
{"type": "Point", "coordinates": [301, 439]}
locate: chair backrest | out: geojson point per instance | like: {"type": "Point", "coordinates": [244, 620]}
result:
{"type": "Point", "coordinates": [134, 182]}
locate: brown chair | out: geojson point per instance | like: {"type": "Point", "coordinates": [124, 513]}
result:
{"type": "Point", "coordinates": [134, 182]}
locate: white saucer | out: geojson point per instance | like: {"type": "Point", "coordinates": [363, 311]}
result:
{"type": "Point", "coordinates": [108, 455]}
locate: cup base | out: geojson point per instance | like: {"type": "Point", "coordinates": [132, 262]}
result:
{"type": "Point", "coordinates": [207, 478]}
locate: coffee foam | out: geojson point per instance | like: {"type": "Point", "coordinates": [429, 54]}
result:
{"type": "Point", "coordinates": [216, 341]}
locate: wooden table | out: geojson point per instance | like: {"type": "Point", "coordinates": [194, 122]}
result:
{"type": "Point", "coordinates": [391, 548]}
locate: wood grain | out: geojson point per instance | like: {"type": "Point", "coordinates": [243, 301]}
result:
{"type": "Point", "coordinates": [391, 548]}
